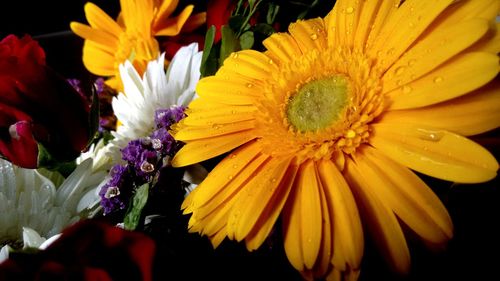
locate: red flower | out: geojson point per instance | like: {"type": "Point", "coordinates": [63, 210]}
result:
{"type": "Point", "coordinates": [218, 14]}
{"type": "Point", "coordinates": [89, 250]}
{"type": "Point", "coordinates": [37, 106]}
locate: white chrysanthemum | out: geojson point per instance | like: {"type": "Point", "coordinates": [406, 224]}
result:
{"type": "Point", "coordinates": [135, 108]}
{"type": "Point", "coordinates": [34, 209]}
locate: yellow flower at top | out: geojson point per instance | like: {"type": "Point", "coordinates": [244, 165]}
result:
{"type": "Point", "coordinates": [325, 127]}
{"type": "Point", "coordinates": [109, 43]}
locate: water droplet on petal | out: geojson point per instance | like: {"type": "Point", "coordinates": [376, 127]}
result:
{"type": "Point", "coordinates": [411, 62]}
{"type": "Point", "coordinates": [234, 55]}
{"type": "Point", "coordinates": [249, 85]}
{"type": "Point", "coordinates": [406, 89]}
{"type": "Point", "coordinates": [400, 70]}
{"type": "Point", "coordinates": [314, 36]}
{"type": "Point", "coordinates": [349, 10]}
{"type": "Point", "coordinates": [438, 79]}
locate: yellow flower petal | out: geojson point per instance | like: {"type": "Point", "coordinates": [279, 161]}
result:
{"type": "Point", "coordinates": [200, 150]}
{"type": "Point", "coordinates": [249, 63]}
{"type": "Point", "coordinates": [97, 60]}
{"type": "Point", "coordinates": [309, 34]}
{"type": "Point", "coordinates": [220, 115]}
{"type": "Point", "coordinates": [491, 42]}
{"type": "Point", "coordinates": [466, 10]}
{"type": "Point", "coordinates": [107, 42]}
{"type": "Point", "coordinates": [223, 173]}
{"type": "Point", "coordinates": [273, 209]}
{"type": "Point", "coordinates": [459, 76]}
{"type": "Point", "coordinates": [347, 20]}
{"type": "Point", "coordinates": [366, 18]}
{"type": "Point", "coordinates": [432, 51]}
{"type": "Point", "coordinates": [194, 21]}
{"type": "Point", "coordinates": [385, 11]}
{"type": "Point", "coordinates": [166, 9]}
{"type": "Point", "coordinates": [435, 152]}
{"type": "Point", "coordinates": [172, 26]}
{"type": "Point", "coordinates": [472, 114]}
{"type": "Point", "coordinates": [228, 195]}
{"type": "Point", "coordinates": [404, 27]}
{"type": "Point", "coordinates": [303, 220]}
{"type": "Point", "coordinates": [216, 129]}
{"type": "Point", "coordinates": [347, 231]}
{"type": "Point", "coordinates": [98, 19]}
{"type": "Point", "coordinates": [407, 195]}
{"type": "Point", "coordinates": [256, 196]}
{"type": "Point", "coordinates": [282, 47]}
{"type": "Point", "coordinates": [226, 92]}
{"type": "Point", "coordinates": [380, 220]}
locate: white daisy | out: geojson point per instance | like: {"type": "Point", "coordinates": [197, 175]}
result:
{"type": "Point", "coordinates": [33, 209]}
{"type": "Point", "coordinates": [135, 108]}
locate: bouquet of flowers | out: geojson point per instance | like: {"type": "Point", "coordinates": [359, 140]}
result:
{"type": "Point", "coordinates": [242, 137]}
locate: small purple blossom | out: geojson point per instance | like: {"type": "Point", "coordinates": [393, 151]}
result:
{"type": "Point", "coordinates": [114, 193]}
{"type": "Point", "coordinates": [163, 137]}
{"type": "Point", "coordinates": [164, 118]}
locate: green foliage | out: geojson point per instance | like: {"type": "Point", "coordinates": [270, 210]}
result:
{"type": "Point", "coordinates": [139, 200]}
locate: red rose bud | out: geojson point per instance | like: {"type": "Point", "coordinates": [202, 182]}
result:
{"type": "Point", "coordinates": [37, 107]}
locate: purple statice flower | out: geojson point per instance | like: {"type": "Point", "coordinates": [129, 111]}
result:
{"type": "Point", "coordinates": [164, 118]}
{"type": "Point", "coordinates": [163, 142]}
{"type": "Point", "coordinates": [141, 156]}
{"type": "Point", "coordinates": [117, 190]}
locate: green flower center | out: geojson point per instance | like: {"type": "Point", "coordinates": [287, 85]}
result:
{"type": "Point", "coordinates": [318, 104]}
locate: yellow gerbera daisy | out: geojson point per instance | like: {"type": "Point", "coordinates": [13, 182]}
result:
{"type": "Point", "coordinates": [330, 120]}
{"type": "Point", "coordinates": [109, 44]}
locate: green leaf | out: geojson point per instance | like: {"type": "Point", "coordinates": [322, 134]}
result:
{"type": "Point", "coordinates": [46, 160]}
{"type": "Point", "coordinates": [236, 22]}
{"type": "Point", "coordinates": [209, 58]}
{"type": "Point", "coordinates": [133, 215]}
{"type": "Point", "coordinates": [246, 40]}
{"type": "Point", "coordinates": [272, 12]}
{"type": "Point", "coordinates": [229, 43]}
{"type": "Point", "coordinates": [264, 29]}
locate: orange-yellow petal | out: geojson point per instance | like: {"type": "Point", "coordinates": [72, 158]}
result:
{"type": "Point", "coordinates": [256, 195]}
{"type": "Point", "coordinates": [172, 26]}
{"type": "Point", "coordinates": [472, 114]}
{"type": "Point", "coordinates": [457, 77]}
{"type": "Point", "coordinates": [347, 230]}
{"type": "Point", "coordinates": [98, 19]}
{"type": "Point", "coordinates": [203, 149]}
{"type": "Point", "coordinates": [379, 218]}
{"type": "Point", "coordinates": [435, 152]}
{"type": "Point", "coordinates": [282, 47]}
{"type": "Point", "coordinates": [432, 51]}
{"type": "Point", "coordinates": [407, 195]}
{"type": "Point", "coordinates": [403, 27]}
{"type": "Point", "coordinates": [309, 34]}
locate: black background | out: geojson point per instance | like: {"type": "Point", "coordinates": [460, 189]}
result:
{"type": "Point", "coordinates": [473, 253]}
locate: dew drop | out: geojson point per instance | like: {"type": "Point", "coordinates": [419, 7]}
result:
{"type": "Point", "coordinates": [314, 36]}
{"type": "Point", "coordinates": [270, 61]}
{"type": "Point", "coordinates": [273, 180]}
{"type": "Point", "coordinates": [391, 51]}
{"type": "Point", "coordinates": [249, 85]}
{"type": "Point", "coordinates": [438, 79]}
{"type": "Point", "coordinates": [411, 25]}
{"type": "Point", "coordinates": [230, 177]}
{"type": "Point", "coordinates": [411, 62]}
{"type": "Point", "coordinates": [349, 10]}
{"type": "Point", "coordinates": [234, 55]}
{"type": "Point", "coordinates": [406, 89]}
{"type": "Point", "coordinates": [233, 156]}
{"type": "Point", "coordinates": [235, 166]}
{"type": "Point", "coordinates": [400, 70]}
